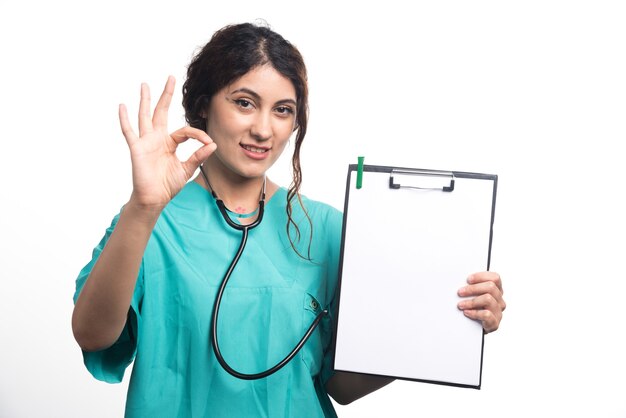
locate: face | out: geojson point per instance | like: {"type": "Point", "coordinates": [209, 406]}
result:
{"type": "Point", "coordinates": [251, 121]}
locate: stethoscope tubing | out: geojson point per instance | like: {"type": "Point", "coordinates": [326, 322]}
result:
{"type": "Point", "coordinates": [220, 293]}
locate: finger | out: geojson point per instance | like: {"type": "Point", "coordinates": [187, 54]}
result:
{"type": "Point", "coordinates": [161, 110]}
{"type": "Point", "coordinates": [187, 132]}
{"type": "Point", "coordinates": [485, 309]}
{"type": "Point", "coordinates": [480, 288]}
{"type": "Point", "coordinates": [489, 321]}
{"type": "Point", "coordinates": [485, 301]}
{"type": "Point", "coordinates": [198, 157]}
{"type": "Point", "coordinates": [486, 276]}
{"type": "Point", "coordinates": [484, 288]}
{"type": "Point", "coordinates": [127, 130]}
{"type": "Point", "coordinates": [145, 121]}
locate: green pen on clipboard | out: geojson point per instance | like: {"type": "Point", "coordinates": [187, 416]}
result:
{"type": "Point", "coordinates": [359, 173]}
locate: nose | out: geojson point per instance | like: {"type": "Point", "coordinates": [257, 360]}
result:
{"type": "Point", "coordinates": [261, 128]}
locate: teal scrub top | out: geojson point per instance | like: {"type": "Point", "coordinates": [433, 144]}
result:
{"type": "Point", "coordinates": [271, 299]}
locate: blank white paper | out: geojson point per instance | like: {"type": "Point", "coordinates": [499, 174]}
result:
{"type": "Point", "coordinates": [405, 254]}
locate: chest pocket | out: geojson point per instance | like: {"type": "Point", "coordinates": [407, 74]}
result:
{"type": "Point", "coordinates": [313, 351]}
{"type": "Point", "coordinates": [258, 327]}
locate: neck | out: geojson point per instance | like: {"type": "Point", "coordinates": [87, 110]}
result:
{"type": "Point", "coordinates": [240, 195]}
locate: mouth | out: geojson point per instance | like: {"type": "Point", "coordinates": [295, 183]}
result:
{"type": "Point", "coordinates": [253, 149]}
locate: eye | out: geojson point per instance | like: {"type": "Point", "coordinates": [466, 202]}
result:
{"type": "Point", "coordinates": [285, 110]}
{"type": "Point", "coordinates": [243, 103]}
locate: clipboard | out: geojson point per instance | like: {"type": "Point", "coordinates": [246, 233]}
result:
{"type": "Point", "coordinates": [410, 238]}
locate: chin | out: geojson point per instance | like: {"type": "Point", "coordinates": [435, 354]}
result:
{"type": "Point", "coordinates": [252, 173]}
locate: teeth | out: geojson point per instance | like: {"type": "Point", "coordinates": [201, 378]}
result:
{"type": "Point", "coordinates": [254, 149]}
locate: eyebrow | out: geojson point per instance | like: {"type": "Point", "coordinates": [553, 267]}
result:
{"type": "Point", "coordinates": [256, 96]}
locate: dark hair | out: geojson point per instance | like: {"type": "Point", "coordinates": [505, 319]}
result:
{"type": "Point", "coordinates": [231, 53]}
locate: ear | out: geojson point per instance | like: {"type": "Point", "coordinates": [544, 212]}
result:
{"type": "Point", "coordinates": [205, 118]}
{"type": "Point", "coordinates": [205, 108]}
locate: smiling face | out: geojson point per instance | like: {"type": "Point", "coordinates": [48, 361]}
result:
{"type": "Point", "coordinates": [251, 121]}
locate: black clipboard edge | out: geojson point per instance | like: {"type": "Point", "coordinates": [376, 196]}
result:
{"type": "Point", "coordinates": [435, 382]}
{"type": "Point", "coordinates": [389, 169]}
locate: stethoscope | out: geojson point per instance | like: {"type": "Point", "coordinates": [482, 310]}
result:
{"type": "Point", "coordinates": [220, 293]}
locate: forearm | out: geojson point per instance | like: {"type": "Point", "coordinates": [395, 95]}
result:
{"type": "Point", "coordinates": [348, 387]}
{"type": "Point", "coordinates": [102, 307]}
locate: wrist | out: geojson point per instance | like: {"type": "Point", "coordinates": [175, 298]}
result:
{"type": "Point", "coordinates": [142, 212]}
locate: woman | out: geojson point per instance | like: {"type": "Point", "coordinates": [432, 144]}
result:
{"type": "Point", "coordinates": [148, 294]}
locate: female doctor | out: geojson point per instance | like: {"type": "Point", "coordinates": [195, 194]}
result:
{"type": "Point", "coordinates": [149, 293]}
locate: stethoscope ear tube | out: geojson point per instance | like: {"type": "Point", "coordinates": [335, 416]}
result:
{"type": "Point", "coordinates": [220, 293]}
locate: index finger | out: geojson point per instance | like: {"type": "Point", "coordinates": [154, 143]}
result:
{"type": "Point", "coordinates": [162, 107]}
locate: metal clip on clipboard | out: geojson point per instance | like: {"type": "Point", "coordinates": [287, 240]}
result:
{"type": "Point", "coordinates": [443, 174]}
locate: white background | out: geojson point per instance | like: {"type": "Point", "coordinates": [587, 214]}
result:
{"type": "Point", "coordinates": [533, 91]}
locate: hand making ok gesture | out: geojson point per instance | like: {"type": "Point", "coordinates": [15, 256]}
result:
{"type": "Point", "coordinates": [158, 173]}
